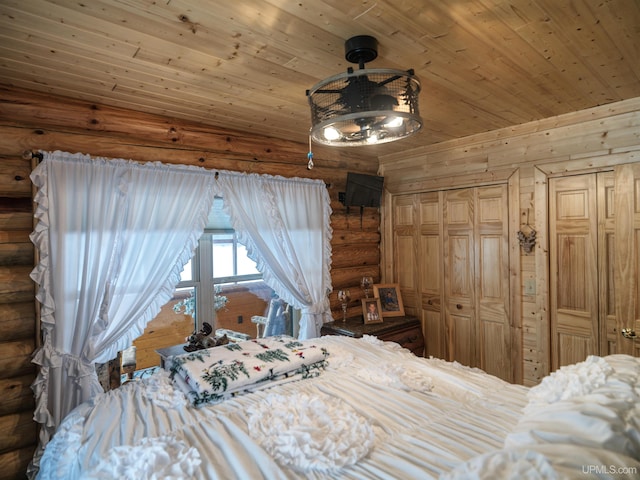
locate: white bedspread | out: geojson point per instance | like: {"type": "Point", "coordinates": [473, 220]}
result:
{"type": "Point", "coordinates": [377, 411]}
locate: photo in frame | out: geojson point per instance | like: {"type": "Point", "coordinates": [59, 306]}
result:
{"type": "Point", "coordinates": [371, 310]}
{"type": "Point", "coordinates": [390, 299]}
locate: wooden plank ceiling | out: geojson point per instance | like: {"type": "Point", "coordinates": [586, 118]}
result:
{"type": "Point", "coordinates": [246, 64]}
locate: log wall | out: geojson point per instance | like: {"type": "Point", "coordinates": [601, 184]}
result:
{"type": "Point", "coordinates": [30, 121]}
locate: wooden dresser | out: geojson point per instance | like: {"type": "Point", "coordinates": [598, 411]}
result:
{"type": "Point", "coordinates": [405, 331]}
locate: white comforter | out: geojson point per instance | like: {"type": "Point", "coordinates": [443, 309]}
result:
{"type": "Point", "coordinates": [377, 411]}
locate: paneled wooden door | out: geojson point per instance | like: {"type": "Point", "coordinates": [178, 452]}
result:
{"type": "Point", "coordinates": [451, 260]}
{"type": "Point", "coordinates": [594, 262]}
{"type": "Point", "coordinates": [476, 278]}
{"type": "Point", "coordinates": [573, 233]}
{"type": "Point", "coordinates": [627, 258]}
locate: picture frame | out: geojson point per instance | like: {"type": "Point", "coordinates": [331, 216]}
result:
{"type": "Point", "coordinates": [390, 299]}
{"type": "Point", "coordinates": [371, 310]}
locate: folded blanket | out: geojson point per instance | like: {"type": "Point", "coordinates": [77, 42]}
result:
{"type": "Point", "coordinates": [214, 374]}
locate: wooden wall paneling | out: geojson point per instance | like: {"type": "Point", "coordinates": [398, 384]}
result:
{"type": "Point", "coordinates": [17, 317]}
{"type": "Point", "coordinates": [443, 180]}
{"type": "Point", "coordinates": [17, 321]}
{"type": "Point", "coordinates": [591, 163]}
{"type": "Point", "coordinates": [145, 150]}
{"type": "Point", "coordinates": [16, 394]}
{"type": "Point", "coordinates": [350, 237]}
{"type": "Point", "coordinates": [386, 237]}
{"type": "Point", "coordinates": [14, 462]}
{"type": "Point", "coordinates": [14, 177]}
{"type": "Point", "coordinates": [514, 300]}
{"type": "Point", "coordinates": [105, 125]}
{"type": "Point", "coordinates": [530, 139]}
{"type": "Point", "coordinates": [541, 321]}
{"type": "Point", "coordinates": [19, 430]}
{"type": "Point", "coordinates": [15, 358]}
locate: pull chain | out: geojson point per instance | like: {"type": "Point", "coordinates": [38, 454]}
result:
{"type": "Point", "coordinates": [310, 156]}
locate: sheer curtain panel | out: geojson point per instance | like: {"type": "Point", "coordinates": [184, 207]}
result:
{"type": "Point", "coordinates": [285, 225]}
{"type": "Point", "coordinates": [113, 237]}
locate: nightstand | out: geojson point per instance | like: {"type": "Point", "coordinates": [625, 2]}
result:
{"type": "Point", "coordinates": [405, 331]}
{"type": "Point", "coordinates": [170, 352]}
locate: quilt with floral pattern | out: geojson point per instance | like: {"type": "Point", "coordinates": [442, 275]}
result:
{"type": "Point", "coordinates": [215, 374]}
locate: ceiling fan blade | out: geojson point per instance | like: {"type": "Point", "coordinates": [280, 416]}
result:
{"type": "Point", "coordinates": [389, 80]}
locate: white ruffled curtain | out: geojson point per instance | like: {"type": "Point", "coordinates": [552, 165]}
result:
{"type": "Point", "coordinates": [285, 225]}
{"type": "Point", "coordinates": [113, 237]}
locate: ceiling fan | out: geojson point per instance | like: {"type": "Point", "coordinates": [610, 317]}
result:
{"type": "Point", "coordinates": [366, 106]}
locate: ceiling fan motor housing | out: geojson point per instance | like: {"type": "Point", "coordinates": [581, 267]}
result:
{"type": "Point", "coordinates": [361, 49]}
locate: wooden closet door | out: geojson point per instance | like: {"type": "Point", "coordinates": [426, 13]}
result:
{"type": "Point", "coordinates": [431, 278]}
{"type": "Point", "coordinates": [459, 273]}
{"type": "Point", "coordinates": [573, 269]}
{"type": "Point", "coordinates": [627, 256]}
{"type": "Point", "coordinates": [492, 280]}
{"type": "Point", "coordinates": [405, 250]}
{"type": "Point", "coordinates": [476, 278]}
{"type": "Point", "coordinates": [606, 263]}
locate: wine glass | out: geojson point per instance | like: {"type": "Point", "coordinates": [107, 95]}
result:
{"type": "Point", "coordinates": [366, 283]}
{"type": "Point", "coordinates": [344, 296]}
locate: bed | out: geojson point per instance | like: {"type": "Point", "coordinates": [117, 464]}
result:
{"type": "Point", "coordinates": [356, 409]}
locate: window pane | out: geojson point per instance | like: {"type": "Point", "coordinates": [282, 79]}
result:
{"type": "Point", "coordinates": [246, 266]}
{"type": "Point", "coordinates": [186, 275]}
{"type": "Point", "coordinates": [184, 302]}
{"type": "Point", "coordinates": [222, 259]}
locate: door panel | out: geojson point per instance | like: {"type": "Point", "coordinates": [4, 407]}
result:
{"type": "Point", "coordinates": [606, 262]}
{"type": "Point", "coordinates": [458, 277]}
{"type": "Point", "coordinates": [431, 281]}
{"type": "Point", "coordinates": [492, 280]}
{"type": "Point", "coordinates": [405, 254]}
{"type": "Point", "coordinates": [627, 259]}
{"type": "Point", "coordinates": [573, 269]}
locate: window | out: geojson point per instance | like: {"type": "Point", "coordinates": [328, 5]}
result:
{"type": "Point", "coordinates": [219, 263]}
{"type": "Point", "coordinates": [231, 263]}
{"type": "Point", "coordinates": [219, 269]}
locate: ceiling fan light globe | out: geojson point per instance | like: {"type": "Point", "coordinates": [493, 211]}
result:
{"type": "Point", "coordinates": [331, 133]}
{"type": "Point", "coordinates": [394, 122]}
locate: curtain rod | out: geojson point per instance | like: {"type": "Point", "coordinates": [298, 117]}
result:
{"type": "Point", "coordinates": [28, 155]}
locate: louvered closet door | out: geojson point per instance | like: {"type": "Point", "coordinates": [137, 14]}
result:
{"type": "Point", "coordinates": [573, 269]}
